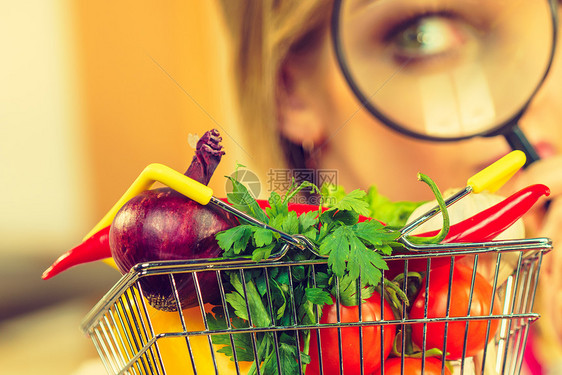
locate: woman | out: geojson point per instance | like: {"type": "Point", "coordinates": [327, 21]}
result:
{"type": "Point", "coordinates": [299, 112]}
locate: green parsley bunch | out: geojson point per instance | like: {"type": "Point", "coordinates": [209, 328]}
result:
{"type": "Point", "coordinates": [348, 264]}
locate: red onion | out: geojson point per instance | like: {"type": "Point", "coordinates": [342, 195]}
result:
{"type": "Point", "coordinates": [162, 224]}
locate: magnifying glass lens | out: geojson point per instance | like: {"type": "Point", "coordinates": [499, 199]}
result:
{"type": "Point", "coordinates": [445, 69]}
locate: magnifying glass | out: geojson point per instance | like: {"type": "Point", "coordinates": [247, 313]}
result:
{"type": "Point", "coordinates": [447, 70]}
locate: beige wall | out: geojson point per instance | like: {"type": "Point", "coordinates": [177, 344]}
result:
{"type": "Point", "coordinates": [90, 93]}
{"type": "Point", "coordinates": [44, 171]}
{"type": "Point", "coordinates": [152, 74]}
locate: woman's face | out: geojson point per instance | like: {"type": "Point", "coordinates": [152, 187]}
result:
{"type": "Point", "coordinates": [365, 152]}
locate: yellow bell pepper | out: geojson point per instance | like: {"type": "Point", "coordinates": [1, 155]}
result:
{"type": "Point", "coordinates": [173, 350]}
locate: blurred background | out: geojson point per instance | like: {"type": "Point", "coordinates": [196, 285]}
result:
{"type": "Point", "coordinates": [90, 93]}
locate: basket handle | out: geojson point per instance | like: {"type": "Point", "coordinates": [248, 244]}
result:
{"type": "Point", "coordinates": [498, 173]}
{"type": "Point", "coordinates": [156, 172]}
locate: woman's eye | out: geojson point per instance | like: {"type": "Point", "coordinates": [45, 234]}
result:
{"type": "Point", "coordinates": [426, 38]}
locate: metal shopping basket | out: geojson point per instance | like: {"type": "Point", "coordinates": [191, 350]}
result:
{"type": "Point", "coordinates": [131, 338]}
{"type": "Point", "coordinates": [134, 338]}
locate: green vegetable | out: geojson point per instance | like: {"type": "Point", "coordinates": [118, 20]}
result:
{"type": "Point", "coordinates": [354, 252]}
{"type": "Point", "coordinates": [440, 236]}
{"type": "Point", "coordinates": [394, 214]}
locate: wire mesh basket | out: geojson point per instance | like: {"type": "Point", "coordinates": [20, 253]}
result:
{"type": "Point", "coordinates": [132, 337]}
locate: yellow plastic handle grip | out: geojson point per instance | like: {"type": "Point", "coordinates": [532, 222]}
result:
{"type": "Point", "coordinates": [498, 173]}
{"type": "Point", "coordinates": [152, 173]}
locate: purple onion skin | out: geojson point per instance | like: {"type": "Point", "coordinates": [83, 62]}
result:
{"type": "Point", "coordinates": [162, 224]}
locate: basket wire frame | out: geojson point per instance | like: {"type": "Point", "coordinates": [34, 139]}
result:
{"type": "Point", "coordinates": [122, 329]}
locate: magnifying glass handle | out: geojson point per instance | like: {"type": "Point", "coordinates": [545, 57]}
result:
{"type": "Point", "coordinates": [517, 140]}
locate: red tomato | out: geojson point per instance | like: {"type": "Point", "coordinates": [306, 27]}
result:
{"type": "Point", "coordinates": [413, 366]}
{"type": "Point", "coordinates": [437, 308]}
{"type": "Point", "coordinates": [396, 266]}
{"type": "Point", "coordinates": [370, 311]}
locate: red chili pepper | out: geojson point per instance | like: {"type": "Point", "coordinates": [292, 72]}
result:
{"type": "Point", "coordinates": [482, 227]}
{"type": "Point", "coordinates": [94, 248]}
{"type": "Point", "coordinates": [97, 247]}
{"type": "Point", "coordinates": [489, 223]}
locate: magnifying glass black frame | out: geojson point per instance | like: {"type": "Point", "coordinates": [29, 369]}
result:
{"type": "Point", "coordinates": [509, 128]}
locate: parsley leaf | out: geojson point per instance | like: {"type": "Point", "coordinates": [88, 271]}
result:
{"type": "Point", "coordinates": [353, 202]}
{"type": "Point", "coordinates": [262, 253]}
{"type": "Point", "coordinates": [374, 233]}
{"type": "Point", "coordinates": [336, 247]}
{"type": "Point", "coordinates": [234, 240]}
{"type": "Point", "coordinates": [241, 199]}
{"type": "Point", "coordinates": [307, 221]}
{"type": "Point", "coordinates": [248, 298]}
{"type": "Point", "coordinates": [318, 296]}
{"type": "Point", "coordinates": [365, 263]}
{"type": "Point", "coordinates": [263, 237]}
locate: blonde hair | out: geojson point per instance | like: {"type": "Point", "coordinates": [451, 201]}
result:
{"type": "Point", "coordinates": [264, 33]}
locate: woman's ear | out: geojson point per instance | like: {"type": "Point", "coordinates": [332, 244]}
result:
{"type": "Point", "coordinates": [301, 118]}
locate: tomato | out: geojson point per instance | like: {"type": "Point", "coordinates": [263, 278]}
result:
{"type": "Point", "coordinates": [396, 266]}
{"type": "Point", "coordinates": [370, 311]}
{"type": "Point", "coordinates": [437, 308]}
{"type": "Point", "coordinates": [413, 366]}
